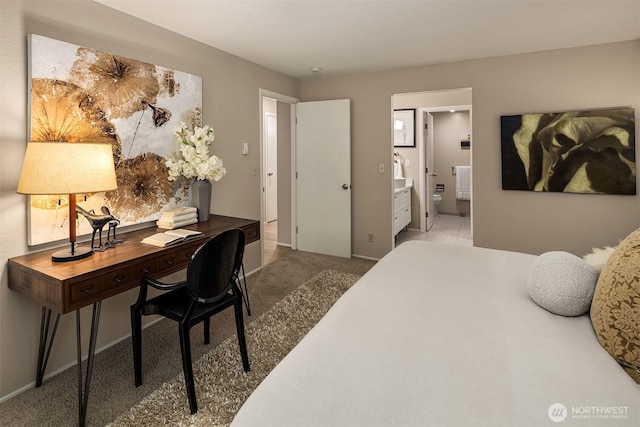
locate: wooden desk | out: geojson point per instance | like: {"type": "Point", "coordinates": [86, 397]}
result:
{"type": "Point", "coordinates": [63, 287]}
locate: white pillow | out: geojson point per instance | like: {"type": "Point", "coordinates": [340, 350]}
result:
{"type": "Point", "coordinates": [598, 257]}
{"type": "Point", "coordinates": [562, 283]}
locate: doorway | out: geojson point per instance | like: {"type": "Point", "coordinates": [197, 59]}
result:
{"type": "Point", "coordinates": [313, 212]}
{"type": "Point", "coordinates": [275, 174]}
{"type": "Point", "coordinates": [441, 144]}
{"type": "Point", "coordinates": [271, 161]}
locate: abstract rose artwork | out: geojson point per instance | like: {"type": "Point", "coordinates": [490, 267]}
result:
{"type": "Point", "coordinates": [589, 151]}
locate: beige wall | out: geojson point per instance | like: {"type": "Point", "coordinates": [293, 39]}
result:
{"type": "Point", "coordinates": [230, 104]}
{"type": "Point", "coordinates": [580, 78]}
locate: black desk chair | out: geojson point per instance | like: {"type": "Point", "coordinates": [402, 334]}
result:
{"type": "Point", "coordinates": [211, 286]}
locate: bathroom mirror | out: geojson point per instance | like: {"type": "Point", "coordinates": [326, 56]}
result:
{"type": "Point", "coordinates": [404, 128]}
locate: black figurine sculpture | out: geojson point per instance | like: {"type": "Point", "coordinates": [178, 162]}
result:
{"type": "Point", "coordinates": [111, 242]}
{"type": "Point", "coordinates": [97, 222]}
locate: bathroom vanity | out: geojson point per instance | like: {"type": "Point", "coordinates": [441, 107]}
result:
{"type": "Point", "coordinates": [401, 208]}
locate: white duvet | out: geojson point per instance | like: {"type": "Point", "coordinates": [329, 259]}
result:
{"type": "Point", "coordinates": [438, 335]}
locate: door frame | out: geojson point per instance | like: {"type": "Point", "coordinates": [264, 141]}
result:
{"type": "Point", "coordinates": [426, 207]}
{"type": "Point", "coordinates": [439, 101]}
{"type": "Point", "coordinates": [422, 148]}
{"type": "Point", "coordinates": [265, 93]}
{"type": "Point", "coordinates": [269, 190]}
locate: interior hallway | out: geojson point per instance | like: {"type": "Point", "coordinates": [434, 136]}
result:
{"type": "Point", "coordinates": [272, 251]}
{"type": "Point", "coordinates": [450, 229]}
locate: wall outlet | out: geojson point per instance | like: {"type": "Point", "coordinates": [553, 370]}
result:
{"type": "Point", "coordinates": [407, 163]}
{"type": "Point", "coordinates": [370, 237]}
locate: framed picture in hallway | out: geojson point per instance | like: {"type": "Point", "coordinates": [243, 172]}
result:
{"type": "Point", "coordinates": [591, 151]}
{"type": "Point", "coordinates": [404, 128]}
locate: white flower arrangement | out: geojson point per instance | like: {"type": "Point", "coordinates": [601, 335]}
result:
{"type": "Point", "coordinates": [191, 158]}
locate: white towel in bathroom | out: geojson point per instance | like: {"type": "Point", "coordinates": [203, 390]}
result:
{"type": "Point", "coordinates": [397, 169]}
{"type": "Point", "coordinates": [463, 182]}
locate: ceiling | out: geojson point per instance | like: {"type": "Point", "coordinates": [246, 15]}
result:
{"type": "Point", "coordinates": [352, 36]}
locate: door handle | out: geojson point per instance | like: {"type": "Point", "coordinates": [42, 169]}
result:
{"type": "Point", "coordinates": [345, 186]}
{"type": "Point", "coordinates": [270, 173]}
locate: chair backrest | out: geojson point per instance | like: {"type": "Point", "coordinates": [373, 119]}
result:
{"type": "Point", "coordinates": [214, 267]}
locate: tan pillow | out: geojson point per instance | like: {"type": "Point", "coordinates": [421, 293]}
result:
{"type": "Point", "coordinates": [615, 309]}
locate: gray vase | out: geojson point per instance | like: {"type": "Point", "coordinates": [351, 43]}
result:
{"type": "Point", "coordinates": [201, 198]}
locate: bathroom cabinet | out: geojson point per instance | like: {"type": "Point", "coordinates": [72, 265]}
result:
{"type": "Point", "coordinates": [401, 209]}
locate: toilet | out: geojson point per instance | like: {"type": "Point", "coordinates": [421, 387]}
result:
{"type": "Point", "coordinates": [437, 198]}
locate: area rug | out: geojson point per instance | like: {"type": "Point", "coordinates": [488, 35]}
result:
{"type": "Point", "coordinates": [221, 384]}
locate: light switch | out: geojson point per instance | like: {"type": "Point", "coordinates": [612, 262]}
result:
{"type": "Point", "coordinates": [381, 168]}
{"type": "Point", "coordinates": [245, 148]}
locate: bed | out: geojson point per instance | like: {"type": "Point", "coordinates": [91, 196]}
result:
{"type": "Point", "coordinates": [441, 335]}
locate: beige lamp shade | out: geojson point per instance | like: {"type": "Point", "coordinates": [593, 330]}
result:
{"type": "Point", "coordinates": [67, 168]}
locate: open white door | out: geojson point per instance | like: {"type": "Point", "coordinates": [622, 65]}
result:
{"type": "Point", "coordinates": [430, 172]}
{"type": "Point", "coordinates": [323, 170]}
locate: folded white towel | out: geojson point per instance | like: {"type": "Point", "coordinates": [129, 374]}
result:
{"type": "Point", "coordinates": [179, 218]}
{"type": "Point", "coordinates": [463, 182]}
{"type": "Point", "coordinates": [174, 225]}
{"type": "Point", "coordinates": [179, 211]}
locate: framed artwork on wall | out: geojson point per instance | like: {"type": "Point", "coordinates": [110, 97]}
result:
{"type": "Point", "coordinates": [78, 94]}
{"type": "Point", "coordinates": [591, 151]}
{"type": "Point", "coordinates": [404, 128]}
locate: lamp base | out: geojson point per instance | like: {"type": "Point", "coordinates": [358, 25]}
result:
{"type": "Point", "coordinates": [65, 255]}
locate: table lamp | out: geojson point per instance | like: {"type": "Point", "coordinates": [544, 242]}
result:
{"type": "Point", "coordinates": [53, 168]}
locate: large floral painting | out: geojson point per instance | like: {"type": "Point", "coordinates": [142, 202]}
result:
{"type": "Point", "coordinates": [589, 151]}
{"type": "Point", "coordinates": [81, 94]}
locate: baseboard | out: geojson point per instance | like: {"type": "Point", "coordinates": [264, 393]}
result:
{"type": "Point", "coordinates": [462, 214]}
{"type": "Point", "coordinates": [255, 270]}
{"type": "Point", "coordinates": [70, 365]}
{"type": "Point", "coordinates": [365, 257]}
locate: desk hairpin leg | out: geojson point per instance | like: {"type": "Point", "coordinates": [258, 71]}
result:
{"type": "Point", "coordinates": [83, 394]}
{"type": "Point", "coordinates": [46, 342]}
{"type": "Point", "coordinates": [44, 350]}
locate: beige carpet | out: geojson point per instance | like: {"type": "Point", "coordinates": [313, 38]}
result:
{"type": "Point", "coordinates": [221, 384]}
{"type": "Point", "coordinates": [112, 389]}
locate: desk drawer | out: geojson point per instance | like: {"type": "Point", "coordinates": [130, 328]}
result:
{"type": "Point", "coordinates": [115, 279]}
{"type": "Point", "coordinates": [251, 232]}
{"type": "Point", "coordinates": [85, 290]}
{"type": "Point", "coordinates": [142, 269]}
{"type": "Point", "coordinates": [177, 259]}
